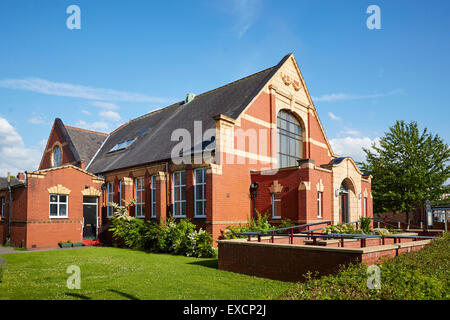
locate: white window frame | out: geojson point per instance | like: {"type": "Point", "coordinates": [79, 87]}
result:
{"type": "Point", "coordinates": [3, 207]}
{"type": "Point", "coordinates": [179, 203]}
{"type": "Point", "coordinates": [273, 206]}
{"type": "Point", "coordinates": [142, 193]}
{"type": "Point", "coordinates": [58, 202]}
{"type": "Point", "coordinates": [153, 196]}
{"type": "Point", "coordinates": [319, 204]}
{"type": "Point", "coordinates": [109, 198]}
{"type": "Point", "coordinates": [201, 201]}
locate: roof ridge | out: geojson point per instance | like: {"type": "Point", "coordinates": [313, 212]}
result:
{"type": "Point", "coordinates": [201, 94]}
{"type": "Point", "coordinates": [86, 130]}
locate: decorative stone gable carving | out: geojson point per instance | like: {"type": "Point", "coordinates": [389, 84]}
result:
{"type": "Point", "coordinates": [127, 181]}
{"type": "Point", "coordinates": [91, 192]}
{"type": "Point", "coordinates": [59, 189]}
{"type": "Point", "coordinates": [365, 193]}
{"type": "Point", "coordinates": [288, 81]}
{"type": "Point", "coordinates": [304, 185]}
{"type": "Point", "coordinates": [320, 186]}
{"type": "Point", "coordinates": [275, 187]}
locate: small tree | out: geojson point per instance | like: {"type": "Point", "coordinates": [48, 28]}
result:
{"type": "Point", "coordinates": [121, 212]}
{"type": "Point", "coordinates": [408, 167]}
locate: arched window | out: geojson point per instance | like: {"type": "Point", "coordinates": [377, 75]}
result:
{"type": "Point", "coordinates": [56, 157]}
{"type": "Point", "coordinates": [290, 144]}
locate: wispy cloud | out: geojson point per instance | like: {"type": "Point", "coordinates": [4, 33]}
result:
{"type": "Point", "coordinates": [245, 14]}
{"type": "Point", "coordinates": [353, 146]}
{"type": "Point", "coordinates": [77, 91]}
{"type": "Point", "coordinates": [348, 96]}
{"type": "Point", "coordinates": [333, 116]}
{"type": "Point", "coordinates": [85, 112]}
{"type": "Point", "coordinates": [96, 125]}
{"type": "Point", "coordinates": [110, 115]}
{"type": "Point", "coordinates": [105, 105]}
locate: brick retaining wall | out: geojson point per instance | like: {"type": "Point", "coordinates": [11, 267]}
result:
{"type": "Point", "coordinates": [287, 262]}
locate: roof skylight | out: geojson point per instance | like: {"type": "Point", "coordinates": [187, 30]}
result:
{"type": "Point", "coordinates": [122, 145]}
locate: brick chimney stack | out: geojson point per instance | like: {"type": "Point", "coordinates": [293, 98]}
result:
{"type": "Point", "coordinates": [21, 176]}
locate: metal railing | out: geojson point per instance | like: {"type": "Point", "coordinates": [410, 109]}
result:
{"type": "Point", "coordinates": [311, 234]}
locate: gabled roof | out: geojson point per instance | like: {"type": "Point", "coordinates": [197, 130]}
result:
{"type": "Point", "coordinates": [86, 142]}
{"type": "Point", "coordinates": [153, 131]}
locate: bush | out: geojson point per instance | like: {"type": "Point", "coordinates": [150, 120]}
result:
{"type": "Point", "coordinates": [364, 224]}
{"type": "Point", "coordinates": [179, 238]}
{"type": "Point", "coordinates": [419, 275]}
{"type": "Point", "coordinates": [284, 224]}
{"type": "Point", "coordinates": [342, 228]}
{"type": "Point", "coordinates": [261, 223]}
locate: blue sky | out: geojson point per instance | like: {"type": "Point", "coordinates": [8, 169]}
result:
{"type": "Point", "coordinates": [131, 57]}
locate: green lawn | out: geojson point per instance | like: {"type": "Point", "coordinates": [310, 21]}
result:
{"type": "Point", "coordinates": [112, 273]}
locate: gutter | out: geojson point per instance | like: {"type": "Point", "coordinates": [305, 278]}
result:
{"type": "Point", "coordinates": [9, 208]}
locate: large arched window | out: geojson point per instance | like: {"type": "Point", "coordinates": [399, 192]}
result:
{"type": "Point", "coordinates": [290, 142]}
{"type": "Point", "coordinates": [56, 158]}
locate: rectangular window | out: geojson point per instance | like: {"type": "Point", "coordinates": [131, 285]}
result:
{"type": "Point", "coordinates": [58, 206]}
{"type": "Point", "coordinates": [139, 191]}
{"type": "Point", "coordinates": [3, 208]}
{"type": "Point", "coordinates": [365, 206]}
{"type": "Point", "coordinates": [200, 192]}
{"type": "Point", "coordinates": [276, 206]}
{"type": "Point", "coordinates": [179, 194]}
{"type": "Point", "coordinates": [109, 198]}
{"type": "Point", "coordinates": [120, 193]}
{"type": "Point", "coordinates": [153, 195]}
{"type": "Point", "coordinates": [319, 204]}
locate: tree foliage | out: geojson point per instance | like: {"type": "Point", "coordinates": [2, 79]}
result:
{"type": "Point", "coordinates": [408, 167]}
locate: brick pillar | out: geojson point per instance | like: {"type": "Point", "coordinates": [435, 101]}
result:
{"type": "Point", "coordinates": [304, 200]}
{"type": "Point", "coordinates": [161, 201]}
{"type": "Point", "coordinates": [128, 192]}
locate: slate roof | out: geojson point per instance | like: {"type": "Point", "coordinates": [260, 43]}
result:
{"type": "Point", "coordinates": [86, 142]}
{"type": "Point", "coordinates": [153, 130]}
{"type": "Point", "coordinates": [14, 183]}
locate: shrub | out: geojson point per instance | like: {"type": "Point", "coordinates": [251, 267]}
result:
{"type": "Point", "coordinates": [173, 237]}
{"type": "Point", "coordinates": [342, 228]}
{"type": "Point", "coordinates": [419, 275]}
{"type": "Point", "coordinates": [364, 224]}
{"type": "Point", "coordinates": [284, 224]}
{"type": "Point", "coordinates": [261, 223]}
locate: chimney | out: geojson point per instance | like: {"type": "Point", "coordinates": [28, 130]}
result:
{"type": "Point", "coordinates": [189, 98]}
{"type": "Point", "coordinates": [21, 176]}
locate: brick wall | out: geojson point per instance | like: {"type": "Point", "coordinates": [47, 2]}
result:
{"type": "Point", "coordinates": [290, 262]}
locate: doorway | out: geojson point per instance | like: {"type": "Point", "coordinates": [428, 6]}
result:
{"type": "Point", "coordinates": [89, 218]}
{"type": "Point", "coordinates": [343, 203]}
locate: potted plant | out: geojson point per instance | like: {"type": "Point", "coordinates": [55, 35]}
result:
{"type": "Point", "coordinates": [77, 244]}
{"type": "Point", "coordinates": [65, 244]}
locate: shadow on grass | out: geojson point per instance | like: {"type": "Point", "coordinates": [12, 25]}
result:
{"type": "Point", "coordinates": [214, 264]}
{"type": "Point", "coordinates": [76, 295]}
{"type": "Point", "coordinates": [125, 295]}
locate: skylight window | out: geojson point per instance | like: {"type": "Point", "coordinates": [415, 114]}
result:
{"type": "Point", "coordinates": [122, 145]}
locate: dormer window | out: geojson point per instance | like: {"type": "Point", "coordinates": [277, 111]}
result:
{"type": "Point", "coordinates": [122, 145]}
{"type": "Point", "coordinates": [56, 156]}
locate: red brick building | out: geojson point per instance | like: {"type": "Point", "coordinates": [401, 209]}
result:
{"type": "Point", "coordinates": [198, 159]}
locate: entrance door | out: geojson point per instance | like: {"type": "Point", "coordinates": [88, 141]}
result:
{"type": "Point", "coordinates": [90, 218]}
{"type": "Point", "coordinates": [343, 201]}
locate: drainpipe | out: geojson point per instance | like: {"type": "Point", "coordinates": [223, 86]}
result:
{"type": "Point", "coordinates": [167, 190]}
{"type": "Point", "coordinates": [9, 207]}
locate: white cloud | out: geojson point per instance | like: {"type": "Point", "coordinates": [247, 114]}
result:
{"type": "Point", "coordinates": [77, 91]}
{"type": "Point", "coordinates": [244, 14]}
{"type": "Point", "coordinates": [101, 126]}
{"type": "Point", "coordinates": [352, 147]}
{"type": "Point", "coordinates": [14, 156]}
{"type": "Point", "coordinates": [110, 115]}
{"type": "Point", "coordinates": [347, 96]}
{"type": "Point", "coordinates": [86, 112]}
{"type": "Point", "coordinates": [334, 117]}
{"type": "Point", "coordinates": [37, 120]}
{"type": "Point", "coordinates": [105, 105]}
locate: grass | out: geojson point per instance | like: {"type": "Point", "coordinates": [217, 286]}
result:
{"type": "Point", "coordinates": [420, 275]}
{"type": "Point", "coordinates": [113, 273]}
